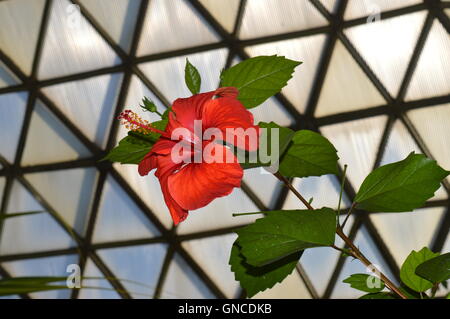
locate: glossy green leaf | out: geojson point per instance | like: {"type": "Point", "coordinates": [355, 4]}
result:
{"type": "Point", "coordinates": [309, 154]}
{"type": "Point", "coordinates": [192, 78]}
{"type": "Point", "coordinates": [436, 269]}
{"type": "Point", "coordinates": [378, 295]}
{"type": "Point", "coordinates": [256, 279]}
{"type": "Point", "coordinates": [365, 282]}
{"type": "Point", "coordinates": [282, 233]}
{"type": "Point", "coordinates": [401, 186]}
{"type": "Point", "coordinates": [408, 270]}
{"type": "Point", "coordinates": [259, 78]}
{"type": "Point", "coordinates": [21, 285]}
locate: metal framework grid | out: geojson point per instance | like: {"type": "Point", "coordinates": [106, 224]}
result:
{"type": "Point", "coordinates": [395, 108]}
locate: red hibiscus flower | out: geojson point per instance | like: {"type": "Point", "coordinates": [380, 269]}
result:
{"type": "Point", "coordinates": [191, 184]}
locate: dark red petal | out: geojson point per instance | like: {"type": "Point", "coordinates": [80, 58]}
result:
{"type": "Point", "coordinates": [196, 185]}
{"type": "Point", "coordinates": [225, 112]}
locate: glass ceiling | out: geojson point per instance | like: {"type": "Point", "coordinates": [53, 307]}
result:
{"type": "Point", "coordinates": [377, 90]}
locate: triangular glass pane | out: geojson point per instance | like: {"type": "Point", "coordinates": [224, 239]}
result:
{"type": "Point", "coordinates": [12, 111]}
{"type": "Point", "coordinates": [264, 185]}
{"type": "Point", "coordinates": [387, 46]}
{"type": "Point", "coordinates": [263, 18]}
{"type": "Point", "coordinates": [224, 12]}
{"type": "Point", "coordinates": [168, 75]}
{"type": "Point", "coordinates": [105, 291]}
{"type": "Point", "coordinates": [69, 192]}
{"type": "Point", "coordinates": [403, 232]}
{"type": "Point", "coordinates": [400, 144]}
{"type": "Point", "coordinates": [89, 103]}
{"type": "Point", "coordinates": [212, 256]}
{"type": "Point", "coordinates": [49, 266]}
{"type": "Point", "coordinates": [366, 245]}
{"type": "Point", "coordinates": [357, 9]}
{"type": "Point", "coordinates": [219, 214]}
{"type": "Point", "coordinates": [116, 17]}
{"type": "Point", "coordinates": [172, 25]}
{"type": "Point", "coordinates": [71, 44]}
{"type": "Point", "coordinates": [357, 143]}
{"type": "Point", "coordinates": [44, 126]}
{"type": "Point", "coordinates": [32, 233]}
{"type": "Point", "coordinates": [138, 263]}
{"type": "Point", "coordinates": [302, 49]}
{"type": "Point", "coordinates": [148, 189]}
{"type": "Point", "coordinates": [272, 110]}
{"type": "Point", "coordinates": [7, 78]}
{"type": "Point", "coordinates": [346, 86]}
{"type": "Point", "coordinates": [324, 190]}
{"type": "Point", "coordinates": [432, 124]}
{"type": "Point", "coordinates": [119, 218]}
{"type": "Point", "coordinates": [431, 76]}
{"type": "Point", "coordinates": [292, 287]}
{"type": "Point", "coordinates": [21, 21]}
{"type": "Point", "coordinates": [183, 283]}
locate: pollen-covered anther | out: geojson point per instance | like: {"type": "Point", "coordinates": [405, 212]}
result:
{"type": "Point", "coordinates": [134, 122]}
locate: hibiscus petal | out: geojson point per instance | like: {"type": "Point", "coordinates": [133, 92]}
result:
{"type": "Point", "coordinates": [149, 162]}
{"type": "Point", "coordinates": [197, 184]}
{"type": "Point", "coordinates": [229, 115]}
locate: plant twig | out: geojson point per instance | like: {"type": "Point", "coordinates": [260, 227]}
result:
{"type": "Point", "coordinates": [292, 188]}
{"type": "Point", "coordinates": [348, 215]}
{"type": "Point", "coordinates": [342, 190]}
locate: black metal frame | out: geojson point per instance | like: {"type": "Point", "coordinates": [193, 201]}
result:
{"type": "Point", "coordinates": [395, 108]}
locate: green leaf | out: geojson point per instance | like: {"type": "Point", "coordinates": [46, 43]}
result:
{"type": "Point", "coordinates": [265, 145]}
{"type": "Point", "coordinates": [133, 148]}
{"type": "Point", "coordinates": [256, 279]}
{"type": "Point", "coordinates": [365, 282]}
{"type": "Point", "coordinates": [408, 270]}
{"type": "Point", "coordinates": [259, 78]}
{"type": "Point", "coordinates": [5, 216]}
{"type": "Point", "coordinates": [436, 269]}
{"type": "Point", "coordinates": [21, 285]}
{"type": "Point", "coordinates": [378, 295]}
{"type": "Point", "coordinates": [401, 186]}
{"type": "Point", "coordinates": [192, 78]}
{"type": "Point", "coordinates": [282, 233]}
{"type": "Point", "coordinates": [310, 154]}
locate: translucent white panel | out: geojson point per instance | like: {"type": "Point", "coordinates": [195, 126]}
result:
{"type": "Point", "coordinates": [263, 184]}
{"type": "Point", "coordinates": [447, 11]}
{"type": "Point", "coordinates": [308, 50]}
{"type": "Point", "coordinates": [31, 233]}
{"type": "Point", "coordinates": [171, 25]}
{"type": "Point", "coordinates": [269, 17]}
{"type": "Point", "coordinates": [292, 287]}
{"type": "Point", "coordinates": [368, 248]}
{"type": "Point", "coordinates": [357, 143]}
{"type": "Point", "coordinates": [361, 8]}
{"type": "Point", "coordinates": [7, 78]}
{"type": "Point", "coordinates": [168, 75]}
{"type": "Point", "coordinates": [89, 103]}
{"type": "Point", "coordinates": [21, 20]}
{"type": "Point", "coordinates": [50, 266]}
{"type": "Point", "coordinates": [432, 124]}
{"type": "Point", "coordinates": [212, 254]}
{"type": "Point", "coordinates": [403, 232]}
{"type": "Point", "coordinates": [61, 144]}
{"type": "Point", "coordinates": [12, 110]}
{"type": "Point", "coordinates": [272, 110]}
{"type": "Point", "coordinates": [106, 291]}
{"type": "Point", "coordinates": [116, 17]}
{"type": "Point", "coordinates": [219, 213]}
{"type": "Point", "coordinates": [346, 86]}
{"type": "Point", "coordinates": [400, 145]}
{"type": "Point", "coordinates": [71, 44]}
{"type": "Point", "coordinates": [431, 76]}
{"type": "Point", "coordinates": [324, 190]}
{"type": "Point", "coordinates": [223, 11]}
{"type": "Point", "coordinates": [69, 192]}
{"type": "Point", "coordinates": [148, 189]}
{"type": "Point", "coordinates": [119, 218]}
{"type": "Point", "coordinates": [182, 283]}
{"type": "Point", "coordinates": [331, 5]}
{"type": "Point", "coordinates": [387, 46]}
{"type": "Point", "coordinates": [137, 263]}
